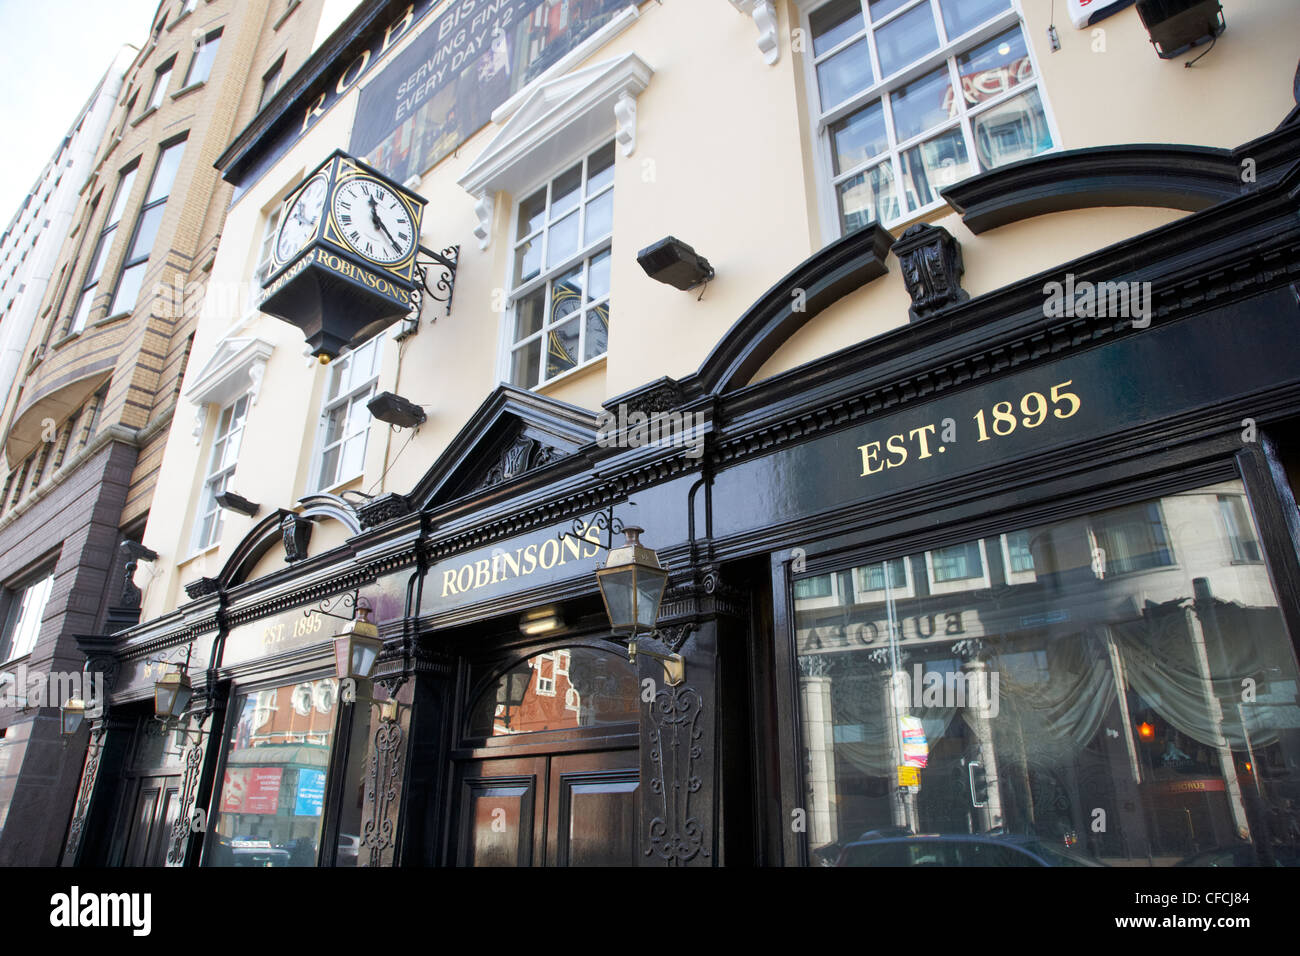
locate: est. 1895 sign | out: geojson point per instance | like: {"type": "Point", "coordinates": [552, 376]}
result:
{"type": "Point", "coordinates": [344, 255]}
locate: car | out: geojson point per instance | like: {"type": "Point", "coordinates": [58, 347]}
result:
{"type": "Point", "coordinates": [254, 851]}
{"type": "Point", "coordinates": [1243, 854]}
{"type": "Point", "coordinates": [349, 850]}
{"type": "Point", "coordinates": [957, 849]}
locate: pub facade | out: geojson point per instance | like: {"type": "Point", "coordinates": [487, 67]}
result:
{"type": "Point", "coordinates": [956, 421]}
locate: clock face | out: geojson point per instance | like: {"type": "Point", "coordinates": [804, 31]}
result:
{"type": "Point", "coordinates": [301, 219]}
{"type": "Point", "coordinates": [373, 220]}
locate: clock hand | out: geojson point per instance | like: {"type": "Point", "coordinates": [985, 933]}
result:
{"type": "Point", "coordinates": [374, 215]}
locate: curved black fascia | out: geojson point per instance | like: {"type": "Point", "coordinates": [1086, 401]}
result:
{"type": "Point", "coordinates": [260, 539]}
{"type": "Point", "coordinates": [827, 276]}
{"type": "Point", "coordinates": [1163, 176]}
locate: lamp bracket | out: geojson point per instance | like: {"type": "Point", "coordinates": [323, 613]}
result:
{"type": "Point", "coordinates": [604, 520]}
{"type": "Point", "coordinates": [348, 599]}
{"type": "Point", "coordinates": [437, 274]}
{"type": "Point", "coordinates": [674, 664]}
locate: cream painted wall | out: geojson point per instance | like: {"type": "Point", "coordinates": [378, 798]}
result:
{"type": "Point", "coordinates": [724, 161]}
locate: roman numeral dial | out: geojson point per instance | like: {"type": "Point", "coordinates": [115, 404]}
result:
{"type": "Point", "coordinates": [373, 220]}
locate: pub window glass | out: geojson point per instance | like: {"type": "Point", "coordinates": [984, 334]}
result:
{"type": "Point", "coordinates": [567, 688]}
{"type": "Point", "coordinates": [1065, 714]}
{"type": "Point", "coordinates": [273, 791]}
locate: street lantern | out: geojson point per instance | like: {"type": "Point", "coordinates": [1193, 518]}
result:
{"type": "Point", "coordinates": [632, 585]}
{"type": "Point", "coordinates": [71, 716]}
{"type": "Point", "coordinates": [357, 647]}
{"type": "Point", "coordinates": [171, 694]}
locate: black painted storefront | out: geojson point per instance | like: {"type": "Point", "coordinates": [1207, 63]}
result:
{"type": "Point", "coordinates": [887, 447]}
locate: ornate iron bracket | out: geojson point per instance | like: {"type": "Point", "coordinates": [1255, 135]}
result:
{"type": "Point", "coordinates": [348, 599]}
{"type": "Point", "coordinates": [604, 520]}
{"type": "Point", "coordinates": [437, 274]}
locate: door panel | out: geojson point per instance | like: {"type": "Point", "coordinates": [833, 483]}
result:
{"type": "Point", "coordinates": [563, 810]}
{"type": "Point", "coordinates": [594, 808]}
{"type": "Point", "coordinates": [499, 820]}
{"type": "Point", "coordinates": [157, 804]}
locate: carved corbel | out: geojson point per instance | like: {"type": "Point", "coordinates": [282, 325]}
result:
{"type": "Point", "coordinates": [625, 114]}
{"type": "Point", "coordinates": [484, 209]}
{"type": "Point", "coordinates": [763, 13]}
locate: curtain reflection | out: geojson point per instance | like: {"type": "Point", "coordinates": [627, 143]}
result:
{"type": "Point", "coordinates": [1117, 686]}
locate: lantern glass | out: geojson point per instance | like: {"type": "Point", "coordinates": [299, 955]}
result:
{"type": "Point", "coordinates": [74, 711]}
{"type": "Point", "coordinates": [365, 651]}
{"type": "Point", "coordinates": [357, 647]}
{"type": "Point", "coordinates": [632, 585]}
{"type": "Point", "coordinates": [172, 694]}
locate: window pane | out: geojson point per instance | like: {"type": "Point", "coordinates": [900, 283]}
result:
{"type": "Point", "coordinates": [868, 197]}
{"type": "Point", "coordinates": [1022, 558]}
{"type": "Point", "coordinates": [562, 348]}
{"type": "Point", "coordinates": [600, 169]}
{"type": "Point", "coordinates": [101, 250]}
{"type": "Point", "coordinates": [1014, 129]}
{"type": "Point", "coordinates": [354, 457]}
{"type": "Point", "coordinates": [872, 577]}
{"type": "Point", "coordinates": [566, 688]}
{"type": "Point", "coordinates": [844, 74]}
{"type": "Point", "coordinates": [562, 240]}
{"type": "Point", "coordinates": [165, 173]}
{"type": "Point", "coordinates": [201, 65]}
{"type": "Point", "coordinates": [959, 16]}
{"type": "Point", "coordinates": [329, 467]}
{"type": "Point", "coordinates": [566, 294]}
{"type": "Point", "coordinates": [600, 218]}
{"type": "Point", "coordinates": [883, 8]}
{"type": "Point", "coordinates": [160, 87]}
{"type": "Point", "coordinates": [992, 69]}
{"type": "Point", "coordinates": [272, 796]}
{"type": "Point", "coordinates": [932, 165]}
{"type": "Point", "coordinates": [532, 213]}
{"type": "Point", "coordinates": [597, 342]}
{"type": "Point", "coordinates": [528, 314]}
{"type": "Point", "coordinates": [858, 137]}
{"type": "Point", "coordinates": [961, 562]}
{"type": "Point", "coordinates": [524, 364]}
{"type": "Point", "coordinates": [528, 260]}
{"type": "Point", "coordinates": [336, 424]}
{"type": "Point", "coordinates": [565, 191]}
{"type": "Point", "coordinates": [1023, 710]}
{"type": "Point", "coordinates": [128, 289]}
{"type": "Point", "coordinates": [119, 201]}
{"type": "Point", "coordinates": [84, 302]}
{"type": "Point", "coordinates": [922, 104]}
{"type": "Point", "coordinates": [834, 23]}
{"type": "Point", "coordinates": [598, 276]}
{"type": "Point", "coordinates": [1132, 539]}
{"type": "Point", "coordinates": [906, 39]}
{"type": "Point", "coordinates": [146, 233]}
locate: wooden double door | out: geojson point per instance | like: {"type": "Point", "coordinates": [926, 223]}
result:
{"type": "Point", "coordinates": [154, 811]}
{"type": "Point", "coordinates": [561, 809]}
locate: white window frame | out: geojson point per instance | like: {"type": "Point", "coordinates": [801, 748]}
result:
{"type": "Point", "coordinates": [1015, 577]}
{"type": "Point", "coordinates": [862, 595]}
{"type": "Point", "coordinates": [543, 280]}
{"type": "Point", "coordinates": [320, 481]}
{"type": "Point", "coordinates": [162, 78]}
{"type": "Point", "coordinates": [963, 584]}
{"type": "Point", "coordinates": [947, 52]}
{"type": "Point", "coordinates": [23, 618]}
{"type": "Point", "coordinates": [265, 257]}
{"type": "Point", "coordinates": [210, 38]}
{"type": "Point", "coordinates": [219, 474]}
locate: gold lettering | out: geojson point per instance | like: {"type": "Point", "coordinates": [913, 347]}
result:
{"type": "Point", "coordinates": [555, 552]}
{"type": "Point", "coordinates": [400, 27]}
{"type": "Point", "coordinates": [894, 445]}
{"type": "Point", "coordinates": [919, 435]}
{"type": "Point", "coordinates": [870, 452]}
{"type": "Point", "coordinates": [449, 582]}
{"type": "Point", "coordinates": [572, 545]}
{"type": "Point", "coordinates": [465, 579]}
{"type": "Point", "coordinates": [592, 534]}
{"type": "Point", "coordinates": [481, 573]}
{"type": "Point", "coordinates": [530, 559]}
{"type": "Point", "coordinates": [344, 82]}
{"type": "Point", "coordinates": [316, 109]}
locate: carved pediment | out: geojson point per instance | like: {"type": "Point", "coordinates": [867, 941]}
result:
{"type": "Point", "coordinates": [514, 433]}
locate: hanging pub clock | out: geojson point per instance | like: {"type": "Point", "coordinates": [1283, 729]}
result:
{"type": "Point", "coordinates": [344, 256]}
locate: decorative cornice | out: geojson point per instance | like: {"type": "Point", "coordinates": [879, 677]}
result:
{"type": "Point", "coordinates": [383, 509]}
{"type": "Point", "coordinates": [201, 588]}
{"type": "Point", "coordinates": [930, 259]}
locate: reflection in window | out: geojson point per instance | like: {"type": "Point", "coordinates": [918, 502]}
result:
{"type": "Point", "coordinates": [1132, 539]}
{"type": "Point", "coordinates": [562, 689]}
{"type": "Point", "coordinates": [872, 577]}
{"type": "Point", "coordinates": [819, 586]}
{"type": "Point", "coordinates": [1022, 710]}
{"type": "Point", "coordinates": [273, 791]}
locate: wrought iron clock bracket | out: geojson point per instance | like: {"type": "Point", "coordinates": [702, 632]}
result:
{"type": "Point", "coordinates": [437, 274]}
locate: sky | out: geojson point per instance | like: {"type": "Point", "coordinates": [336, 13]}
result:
{"type": "Point", "coordinates": [54, 56]}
